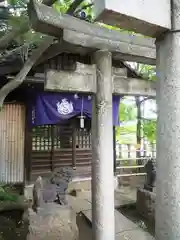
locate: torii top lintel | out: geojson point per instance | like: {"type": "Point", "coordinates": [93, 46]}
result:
{"type": "Point", "coordinates": [124, 46]}
{"type": "Point", "coordinates": [148, 17]}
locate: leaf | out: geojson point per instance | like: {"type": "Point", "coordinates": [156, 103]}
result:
{"type": "Point", "coordinates": [127, 112]}
{"type": "Point", "coordinates": [149, 129]}
{"type": "Point", "coordinates": [62, 6]}
{"type": "Point", "coordinates": [17, 3]}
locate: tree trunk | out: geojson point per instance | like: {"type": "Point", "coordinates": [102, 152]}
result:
{"type": "Point", "coordinates": [74, 6]}
{"type": "Point", "coordinates": [138, 130]}
{"type": "Point", "coordinates": [49, 2]}
{"type": "Point", "coordinates": [7, 88]}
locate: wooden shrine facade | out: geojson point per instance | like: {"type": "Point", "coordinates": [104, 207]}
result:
{"type": "Point", "coordinates": [43, 150]}
{"type": "Point", "coordinates": [48, 146]}
{"type": "Point", "coordinates": [60, 146]}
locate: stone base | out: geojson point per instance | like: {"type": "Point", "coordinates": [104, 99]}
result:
{"type": "Point", "coordinates": [53, 222]}
{"type": "Point", "coordinates": [145, 204]}
{"type": "Point", "coordinates": [132, 181]}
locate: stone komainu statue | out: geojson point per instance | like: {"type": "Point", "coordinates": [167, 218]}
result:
{"type": "Point", "coordinates": [51, 221]}
{"type": "Point", "coordinates": [150, 169]}
{"type": "Point", "coordinates": [61, 177]}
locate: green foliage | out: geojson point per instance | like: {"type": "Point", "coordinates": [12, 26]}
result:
{"type": "Point", "coordinates": [146, 71]}
{"type": "Point", "coordinates": [6, 194]}
{"type": "Point", "coordinates": [62, 6]}
{"type": "Point", "coordinates": [126, 134]}
{"type": "Point", "coordinates": [149, 129]}
{"type": "Point", "coordinates": [127, 112]}
{"type": "Point", "coordinates": [148, 126]}
{"type": "Point", "coordinates": [17, 4]}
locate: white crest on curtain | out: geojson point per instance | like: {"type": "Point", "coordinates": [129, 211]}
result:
{"type": "Point", "coordinates": [65, 107]}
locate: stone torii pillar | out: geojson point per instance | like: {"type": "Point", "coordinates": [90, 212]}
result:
{"type": "Point", "coordinates": [168, 131]}
{"type": "Point", "coordinates": [102, 149]}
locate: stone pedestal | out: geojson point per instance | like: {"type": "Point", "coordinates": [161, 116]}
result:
{"type": "Point", "coordinates": [145, 204]}
{"type": "Point", "coordinates": [53, 222]}
{"type": "Point", "coordinates": [49, 220]}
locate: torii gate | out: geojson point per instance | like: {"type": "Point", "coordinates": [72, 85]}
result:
{"type": "Point", "coordinates": [147, 17]}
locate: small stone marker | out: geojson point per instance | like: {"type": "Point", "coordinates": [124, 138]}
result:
{"type": "Point", "coordinates": [150, 169]}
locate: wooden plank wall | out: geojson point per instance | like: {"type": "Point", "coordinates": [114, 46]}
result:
{"type": "Point", "coordinates": [41, 160]}
{"type": "Point", "coordinates": [12, 132]}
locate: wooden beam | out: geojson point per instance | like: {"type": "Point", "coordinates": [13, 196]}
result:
{"type": "Point", "coordinates": [114, 149]}
{"type": "Point", "coordinates": [74, 134]}
{"type": "Point", "coordinates": [47, 20]}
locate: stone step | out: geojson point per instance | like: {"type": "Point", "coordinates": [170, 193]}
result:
{"type": "Point", "coordinates": [124, 228]}
{"type": "Point", "coordinates": [133, 235]}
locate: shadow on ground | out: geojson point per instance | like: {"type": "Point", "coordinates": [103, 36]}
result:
{"type": "Point", "coordinates": [85, 232]}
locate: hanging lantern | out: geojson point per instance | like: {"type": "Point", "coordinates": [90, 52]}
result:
{"type": "Point", "coordinates": [82, 117]}
{"type": "Point", "coordinates": [82, 121]}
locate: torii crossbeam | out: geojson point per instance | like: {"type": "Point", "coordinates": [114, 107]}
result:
{"type": "Point", "coordinates": [123, 46]}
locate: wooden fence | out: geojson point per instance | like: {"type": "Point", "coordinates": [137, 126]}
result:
{"type": "Point", "coordinates": [130, 161]}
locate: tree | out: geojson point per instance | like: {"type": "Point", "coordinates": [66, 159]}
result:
{"type": "Point", "coordinates": [145, 128]}
{"type": "Point", "coordinates": [19, 27]}
{"type": "Point", "coordinates": [149, 129]}
{"type": "Point", "coordinates": [127, 114]}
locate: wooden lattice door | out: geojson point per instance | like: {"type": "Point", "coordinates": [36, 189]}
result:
{"type": "Point", "coordinates": [51, 148]}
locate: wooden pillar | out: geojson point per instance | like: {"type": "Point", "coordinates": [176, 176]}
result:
{"type": "Point", "coordinates": [74, 146]}
{"type": "Point", "coordinates": [102, 150]}
{"type": "Point", "coordinates": [168, 131]}
{"type": "Point", "coordinates": [114, 148]}
{"type": "Point", "coordinates": [52, 148]}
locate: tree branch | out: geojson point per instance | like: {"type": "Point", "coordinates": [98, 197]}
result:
{"type": "Point", "coordinates": [84, 7]}
{"type": "Point", "coordinates": [74, 6]}
{"type": "Point", "coordinates": [11, 35]}
{"type": "Point", "coordinates": [25, 27]}
{"type": "Point", "coordinates": [147, 98]}
{"type": "Point", "coordinates": [7, 88]}
{"type": "Point", "coordinates": [147, 119]}
{"type": "Point", "coordinates": [49, 2]}
{"type": "Point", "coordinates": [10, 86]}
